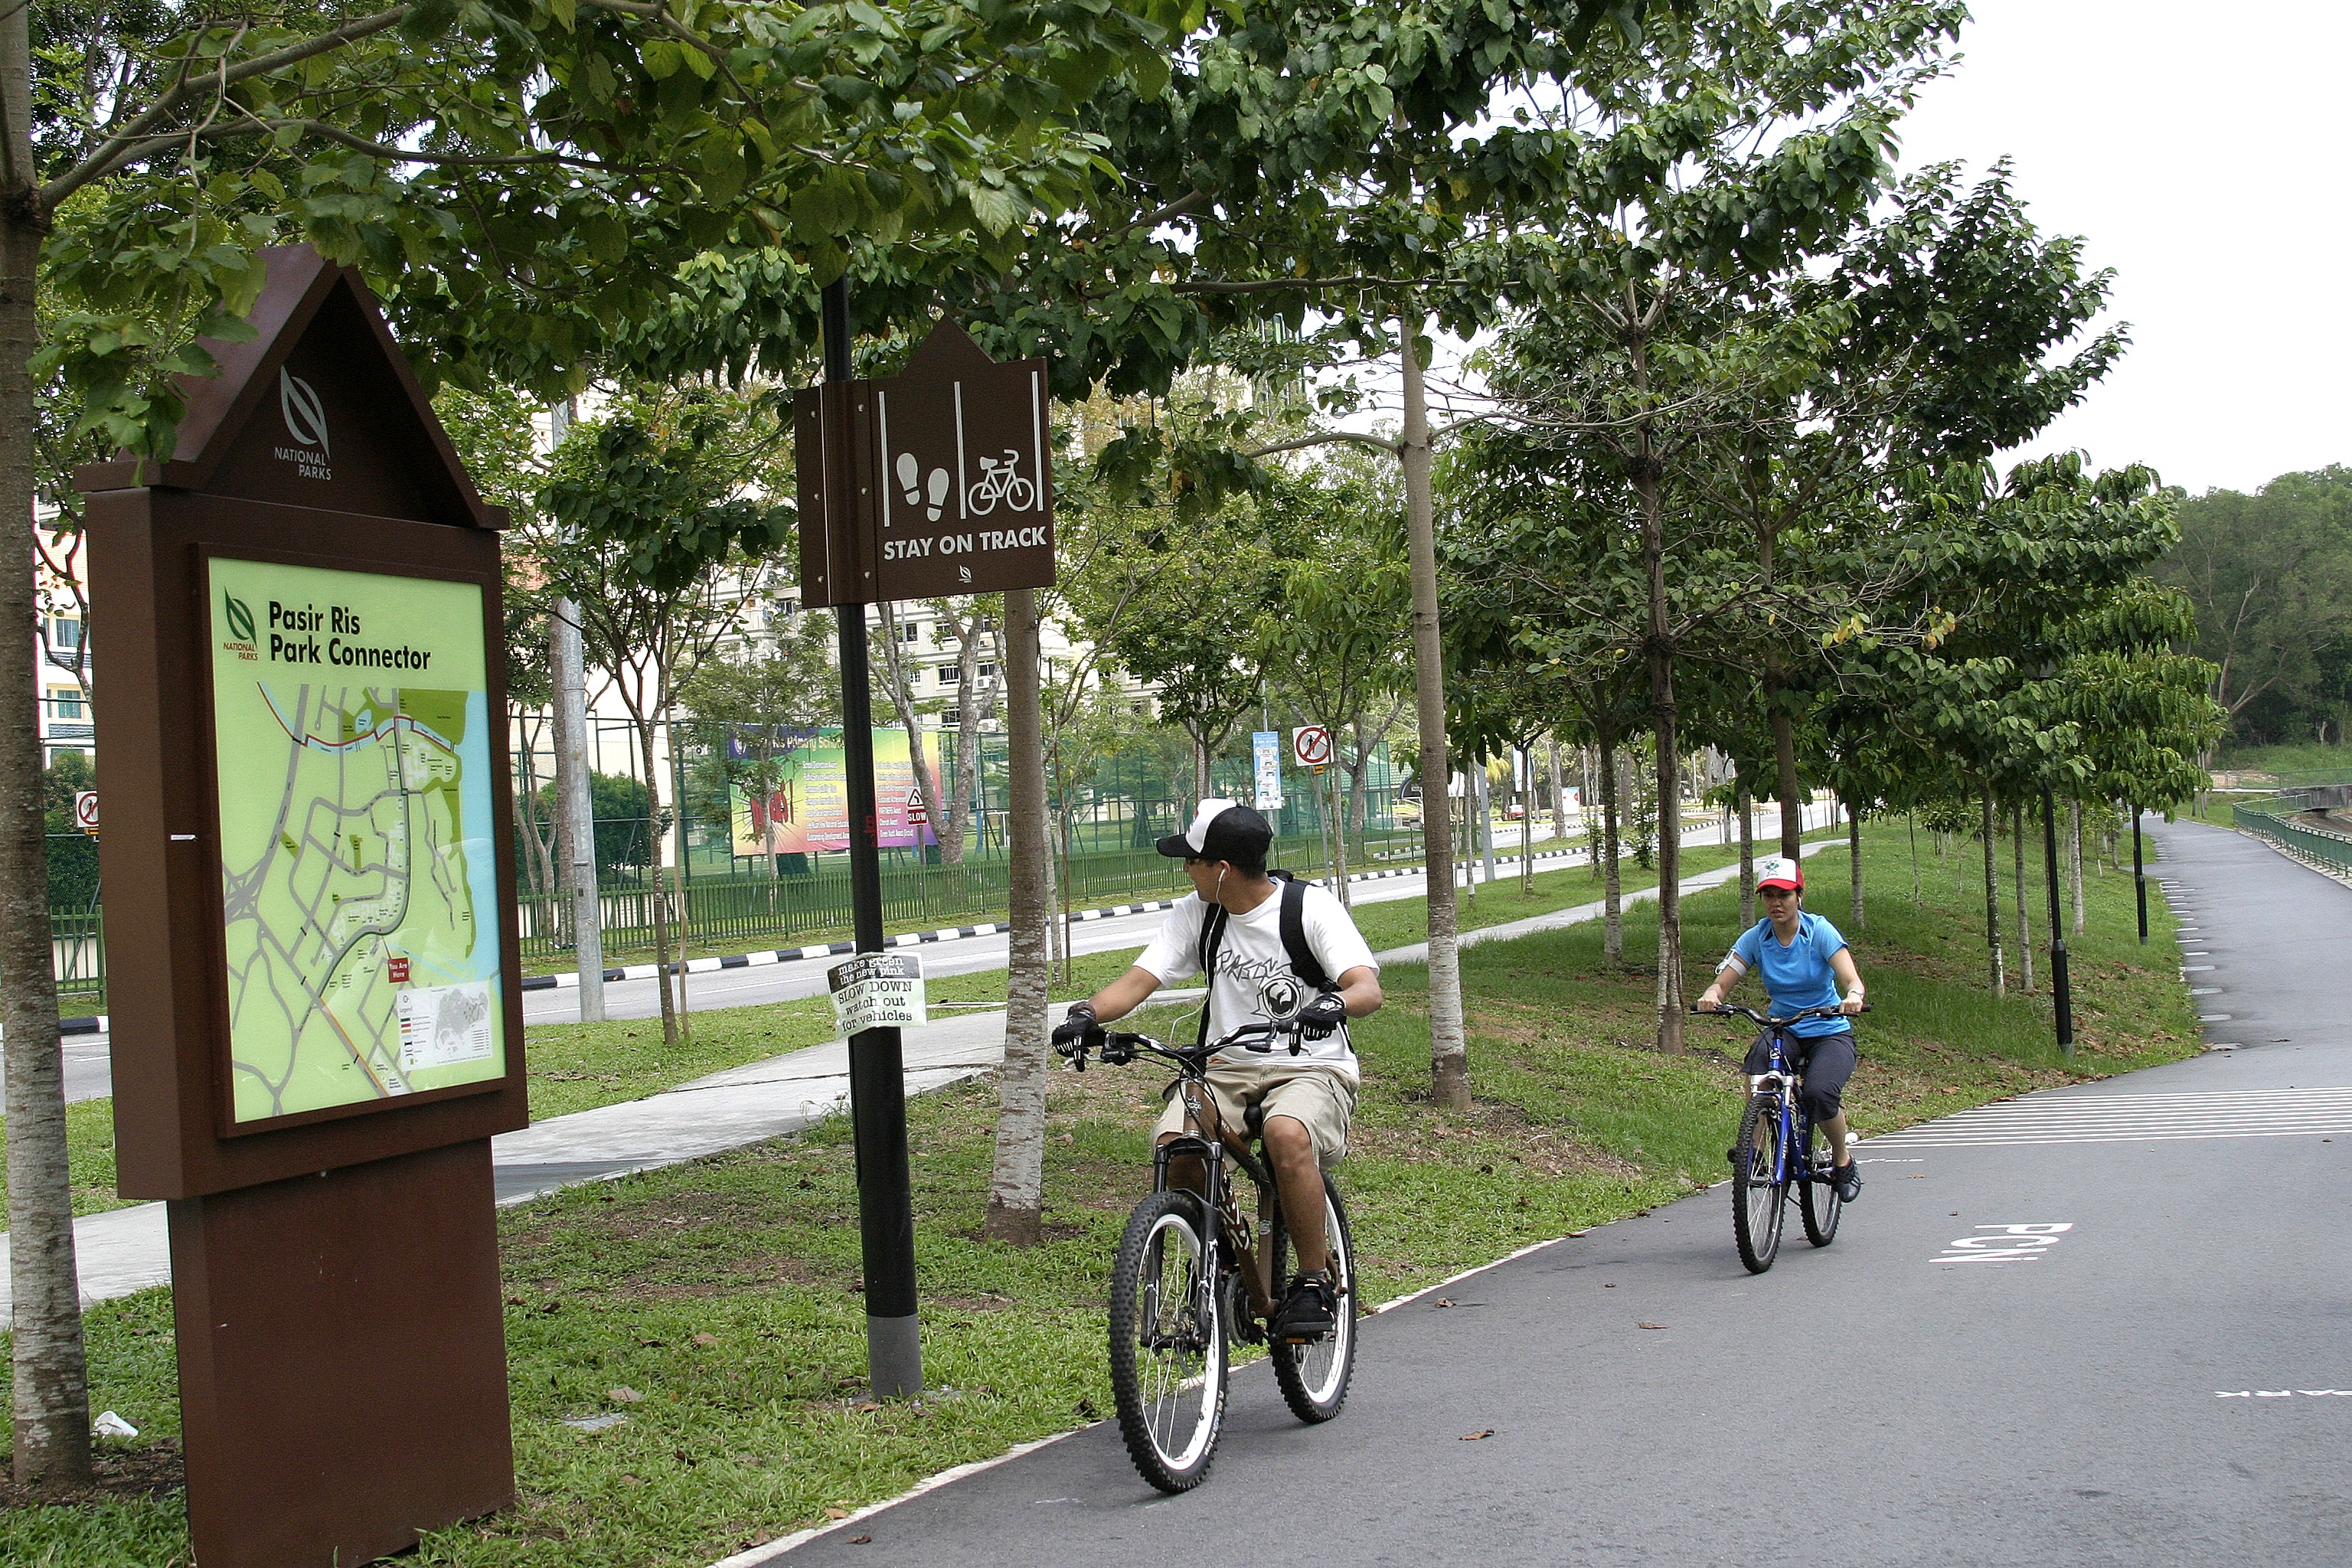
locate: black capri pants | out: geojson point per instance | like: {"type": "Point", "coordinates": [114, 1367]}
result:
{"type": "Point", "coordinates": [1826, 1062]}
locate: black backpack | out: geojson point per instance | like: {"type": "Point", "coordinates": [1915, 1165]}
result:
{"type": "Point", "coordinates": [1293, 924]}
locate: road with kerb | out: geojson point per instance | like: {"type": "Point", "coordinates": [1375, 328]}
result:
{"type": "Point", "coordinates": [2106, 1325]}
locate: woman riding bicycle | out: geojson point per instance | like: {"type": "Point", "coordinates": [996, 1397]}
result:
{"type": "Point", "coordinates": [1805, 962]}
{"type": "Point", "coordinates": [1274, 952]}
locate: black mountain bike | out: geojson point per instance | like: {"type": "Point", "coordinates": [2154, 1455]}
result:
{"type": "Point", "coordinates": [1193, 1274]}
{"type": "Point", "coordinates": [1776, 1151]}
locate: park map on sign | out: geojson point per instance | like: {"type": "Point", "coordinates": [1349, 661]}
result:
{"type": "Point", "coordinates": [358, 880]}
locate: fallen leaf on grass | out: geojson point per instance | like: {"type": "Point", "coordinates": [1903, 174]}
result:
{"type": "Point", "coordinates": [1473, 1437]}
{"type": "Point", "coordinates": [836, 1513]}
{"type": "Point", "coordinates": [761, 1539]}
{"type": "Point", "coordinates": [1649, 1325]}
{"type": "Point", "coordinates": [625, 1394]}
{"type": "Point", "coordinates": [706, 1340]}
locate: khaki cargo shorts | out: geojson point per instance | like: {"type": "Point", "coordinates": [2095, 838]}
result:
{"type": "Point", "coordinates": [1319, 1096]}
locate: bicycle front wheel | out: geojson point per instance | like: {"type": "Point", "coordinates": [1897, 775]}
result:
{"type": "Point", "coordinates": [1756, 1191]}
{"type": "Point", "coordinates": [1313, 1376]}
{"type": "Point", "coordinates": [1822, 1206]}
{"type": "Point", "coordinates": [1167, 1342]}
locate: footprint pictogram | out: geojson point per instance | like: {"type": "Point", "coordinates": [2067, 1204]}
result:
{"type": "Point", "coordinates": [910, 481]}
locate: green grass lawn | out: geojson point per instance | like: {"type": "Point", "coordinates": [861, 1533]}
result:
{"type": "Point", "coordinates": [723, 1293]}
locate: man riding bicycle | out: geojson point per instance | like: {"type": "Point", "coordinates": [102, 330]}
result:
{"type": "Point", "coordinates": [1805, 962]}
{"type": "Point", "coordinates": [1275, 950]}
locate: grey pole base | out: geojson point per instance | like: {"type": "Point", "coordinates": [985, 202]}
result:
{"type": "Point", "coordinates": [894, 1353]}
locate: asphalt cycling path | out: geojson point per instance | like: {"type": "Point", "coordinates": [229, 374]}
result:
{"type": "Point", "coordinates": [2105, 1324]}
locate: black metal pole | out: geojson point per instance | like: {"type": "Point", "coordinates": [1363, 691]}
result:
{"type": "Point", "coordinates": [2059, 986]}
{"type": "Point", "coordinates": [2139, 876]}
{"type": "Point", "coordinates": [878, 1085]}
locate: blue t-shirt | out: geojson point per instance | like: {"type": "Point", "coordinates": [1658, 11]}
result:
{"type": "Point", "coordinates": [1799, 975]}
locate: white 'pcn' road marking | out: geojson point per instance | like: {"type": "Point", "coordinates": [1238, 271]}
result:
{"type": "Point", "coordinates": [2004, 1243]}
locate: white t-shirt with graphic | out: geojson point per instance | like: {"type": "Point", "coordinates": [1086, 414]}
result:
{"type": "Point", "coordinates": [1254, 982]}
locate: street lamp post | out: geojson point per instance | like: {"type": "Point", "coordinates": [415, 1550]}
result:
{"type": "Point", "coordinates": [2059, 986]}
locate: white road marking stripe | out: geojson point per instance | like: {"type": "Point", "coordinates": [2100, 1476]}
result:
{"type": "Point", "coordinates": [2135, 1119]}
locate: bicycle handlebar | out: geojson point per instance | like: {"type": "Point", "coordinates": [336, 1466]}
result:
{"type": "Point", "coordinates": [1106, 1041]}
{"type": "Point", "coordinates": [1763, 1022]}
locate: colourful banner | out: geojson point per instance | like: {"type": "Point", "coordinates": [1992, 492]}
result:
{"type": "Point", "coordinates": [808, 809]}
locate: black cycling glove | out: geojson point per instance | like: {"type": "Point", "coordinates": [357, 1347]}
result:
{"type": "Point", "coordinates": [1070, 1033]}
{"type": "Point", "coordinates": [1320, 1016]}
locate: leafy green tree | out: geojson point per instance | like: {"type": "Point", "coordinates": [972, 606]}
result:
{"type": "Point", "coordinates": [660, 529]}
{"type": "Point", "coordinates": [1334, 644]}
{"type": "Point", "coordinates": [2269, 575]}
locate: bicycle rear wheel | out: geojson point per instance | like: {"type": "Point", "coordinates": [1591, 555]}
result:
{"type": "Point", "coordinates": [1822, 1206]}
{"type": "Point", "coordinates": [1756, 1196]}
{"type": "Point", "coordinates": [1314, 1377]}
{"type": "Point", "coordinates": [1167, 1342]}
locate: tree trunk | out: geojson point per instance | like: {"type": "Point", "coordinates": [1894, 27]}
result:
{"type": "Point", "coordinates": [1339, 840]}
{"type": "Point", "coordinates": [1853, 859]}
{"type": "Point", "coordinates": [2074, 862]}
{"type": "Point", "coordinates": [677, 872]}
{"type": "Point", "coordinates": [1449, 1051]}
{"type": "Point", "coordinates": [1016, 1194]}
{"type": "Point", "coordinates": [1784, 759]}
{"type": "Point", "coordinates": [51, 1391]}
{"type": "Point", "coordinates": [1558, 794]}
{"type": "Point", "coordinates": [1661, 654]}
{"type": "Point", "coordinates": [1612, 904]}
{"type": "Point", "coordinates": [1992, 897]}
{"type": "Point", "coordinates": [2017, 889]}
{"type": "Point", "coordinates": [653, 881]}
{"type": "Point", "coordinates": [1527, 826]}
{"type": "Point", "coordinates": [972, 706]}
{"type": "Point", "coordinates": [900, 683]}
{"type": "Point", "coordinates": [1912, 823]}
{"type": "Point", "coordinates": [1747, 857]}
{"type": "Point", "coordinates": [1200, 771]}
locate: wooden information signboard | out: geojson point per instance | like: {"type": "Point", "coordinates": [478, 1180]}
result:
{"type": "Point", "coordinates": [936, 481]}
{"type": "Point", "coordinates": [317, 1021]}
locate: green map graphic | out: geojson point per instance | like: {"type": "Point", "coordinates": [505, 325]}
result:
{"type": "Point", "coordinates": [358, 873]}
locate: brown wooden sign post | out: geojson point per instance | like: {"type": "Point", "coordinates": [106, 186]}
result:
{"type": "Point", "coordinates": [932, 482]}
{"type": "Point", "coordinates": [308, 862]}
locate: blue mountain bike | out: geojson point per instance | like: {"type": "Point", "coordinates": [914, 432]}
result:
{"type": "Point", "coordinates": [1778, 1149]}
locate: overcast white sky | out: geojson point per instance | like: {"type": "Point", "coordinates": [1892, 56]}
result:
{"type": "Point", "coordinates": [2202, 152]}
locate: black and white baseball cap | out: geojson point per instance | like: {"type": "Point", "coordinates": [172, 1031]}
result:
{"type": "Point", "coordinates": [1220, 830]}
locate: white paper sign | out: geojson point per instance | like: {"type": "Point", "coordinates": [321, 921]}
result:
{"type": "Point", "coordinates": [877, 991]}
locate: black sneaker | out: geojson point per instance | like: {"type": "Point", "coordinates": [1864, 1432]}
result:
{"type": "Point", "coordinates": [1849, 1182]}
{"type": "Point", "coordinates": [1308, 1311]}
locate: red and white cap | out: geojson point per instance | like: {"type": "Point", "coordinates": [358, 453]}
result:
{"type": "Point", "coordinates": [1780, 871]}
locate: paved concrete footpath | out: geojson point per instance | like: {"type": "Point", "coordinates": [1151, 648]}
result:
{"type": "Point", "coordinates": [129, 1249]}
{"type": "Point", "coordinates": [2110, 1323]}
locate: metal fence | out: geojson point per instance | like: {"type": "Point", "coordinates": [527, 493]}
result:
{"type": "Point", "coordinates": [2329, 852]}
{"type": "Point", "coordinates": [1107, 820]}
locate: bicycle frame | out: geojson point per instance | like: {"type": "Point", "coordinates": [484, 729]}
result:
{"type": "Point", "coordinates": [1209, 1141]}
{"type": "Point", "coordinates": [1796, 1123]}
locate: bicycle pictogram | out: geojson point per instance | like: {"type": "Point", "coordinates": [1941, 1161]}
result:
{"type": "Point", "coordinates": [1000, 479]}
